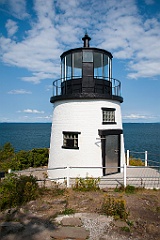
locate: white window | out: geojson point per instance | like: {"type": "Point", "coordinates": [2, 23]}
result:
{"type": "Point", "coordinates": [70, 140]}
{"type": "Point", "coordinates": [108, 115]}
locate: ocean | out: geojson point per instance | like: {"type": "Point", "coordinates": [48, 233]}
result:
{"type": "Point", "coordinates": [138, 137]}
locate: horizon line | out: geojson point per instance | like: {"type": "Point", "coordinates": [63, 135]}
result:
{"type": "Point", "coordinates": [51, 122]}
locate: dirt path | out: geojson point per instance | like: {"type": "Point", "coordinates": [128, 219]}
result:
{"type": "Point", "coordinates": [37, 219]}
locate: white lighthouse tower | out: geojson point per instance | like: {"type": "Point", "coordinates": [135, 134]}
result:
{"type": "Point", "coordinates": [87, 133]}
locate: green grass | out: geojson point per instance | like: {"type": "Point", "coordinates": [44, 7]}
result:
{"type": "Point", "coordinates": [86, 184]}
{"type": "Point", "coordinates": [115, 207]}
{"type": "Point", "coordinates": [135, 162]}
{"type": "Point", "coordinates": [128, 189]}
{"type": "Point", "coordinates": [16, 190]}
{"type": "Point", "coordinates": [125, 229]}
{"type": "Point", "coordinates": [68, 211]}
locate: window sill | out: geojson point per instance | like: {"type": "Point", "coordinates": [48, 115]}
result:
{"type": "Point", "coordinates": [75, 148]}
{"type": "Point", "coordinates": [108, 123]}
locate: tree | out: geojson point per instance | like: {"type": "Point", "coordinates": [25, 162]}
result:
{"type": "Point", "coordinates": [23, 159]}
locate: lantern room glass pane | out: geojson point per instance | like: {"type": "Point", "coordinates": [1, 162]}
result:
{"type": "Point", "coordinates": [62, 70]}
{"type": "Point", "coordinates": [77, 64]}
{"type": "Point", "coordinates": [98, 65]}
{"type": "Point", "coordinates": [87, 56]}
{"type": "Point", "coordinates": [106, 60]}
{"type": "Point", "coordinates": [68, 66]}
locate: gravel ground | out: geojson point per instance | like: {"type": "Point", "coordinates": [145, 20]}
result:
{"type": "Point", "coordinates": [35, 216]}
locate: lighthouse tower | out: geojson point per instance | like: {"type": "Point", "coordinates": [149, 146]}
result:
{"type": "Point", "coordinates": [87, 133]}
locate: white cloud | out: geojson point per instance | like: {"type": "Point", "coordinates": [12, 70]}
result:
{"type": "Point", "coordinates": [146, 68]}
{"type": "Point", "coordinates": [37, 77]}
{"type": "Point", "coordinates": [4, 119]}
{"type": "Point", "coordinates": [134, 116]}
{"type": "Point", "coordinates": [32, 111]}
{"type": "Point", "coordinates": [11, 27]}
{"type": "Point", "coordinates": [137, 116]}
{"type": "Point", "coordinates": [18, 8]}
{"type": "Point", "coordinates": [19, 91]}
{"type": "Point", "coordinates": [38, 53]}
{"type": "Point", "coordinates": [114, 25]}
{"type": "Point", "coordinates": [45, 117]}
{"type": "Point", "coordinates": [32, 118]}
{"type": "Point", "coordinates": [45, 12]}
{"type": "Point", "coordinates": [39, 49]}
{"type": "Point", "coordinates": [15, 8]}
{"type": "Point", "coordinates": [131, 36]}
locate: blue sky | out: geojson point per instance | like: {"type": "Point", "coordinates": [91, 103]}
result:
{"type": "Point", "coordinates": [34, 33]}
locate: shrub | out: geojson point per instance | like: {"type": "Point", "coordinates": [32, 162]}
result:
{"type": "Point", "coordinates": [119, 189]}
{"type": "Point", "coordinates": [115, 207]}
{"type": "Point", "coordinates": [135, 162]}
{"type": "Point", "coordinates": [128, 189]}
{"type": "Point", "coordinates": [68, 211]}
{"type": "Point", "coordinates": [6, 151]}
{"type": "Point", "coordinates": [17, 190]}
{"type": "Point", "coordinates": [38, 157]}
{"type": "Point", "coordinates": [125, 229]}
{"type": "Point", "coordinates": [33, 158]}
{"type": "Point", "coordinates": [55, 190]}
{"type": "Point", "coordinates": [22, 159]}
{"type": "Point", "coordinates": [6, 157]}
{"type": "Point", "coordinates": [86, 184]}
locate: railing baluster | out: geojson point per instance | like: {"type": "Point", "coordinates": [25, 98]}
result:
{"type": "Point", "coordinates": [115, 85]}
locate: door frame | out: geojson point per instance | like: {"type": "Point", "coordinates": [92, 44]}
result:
{"type": "Point", "coordinates": [103, 133]}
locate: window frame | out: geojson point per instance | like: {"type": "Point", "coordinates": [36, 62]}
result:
{"type": "Point", "coordinates": [103, 70]}
{"type": "Point", "coordinates": [67, 146]}
{"type": "Point", "coordinates": [87, 56]}
{"type": "Point", "coordinates": [113, 110]}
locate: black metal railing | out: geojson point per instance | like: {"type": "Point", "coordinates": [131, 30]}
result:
{"type": "Point", "coordinates": [106, 86]}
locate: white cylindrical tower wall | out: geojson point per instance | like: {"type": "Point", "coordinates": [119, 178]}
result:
{"type": "Point", "coordinates": [83, 116]}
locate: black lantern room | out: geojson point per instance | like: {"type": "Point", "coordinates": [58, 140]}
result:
{"type": "Point", "coordinates": [86, 73]}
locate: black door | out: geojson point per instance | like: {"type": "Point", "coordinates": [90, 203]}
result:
{"type": "Point", "coordinates": [112, 154]}
{"type": "Point", "coordinates": [111, 145]}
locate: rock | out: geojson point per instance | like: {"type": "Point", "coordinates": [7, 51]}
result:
{"type": "Point", "coordinates": [22, 210]}
{"type": "Point", "coordinates": [72, 221]}
{"type": "Point", "coordinates": [10, 211]}
{"type": "Point", "coordinates": [70, 232]}
{"type": "Point", "coordinates": [152, 229]}
{"type": "Point", "coordinates": [58, 201]}
{"type": "Point", "coordinates": [121, 224]}
{"type": "Point", "coordinates": [44, 207]}
{"type": "Point", "coordinates": [11, 227]}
